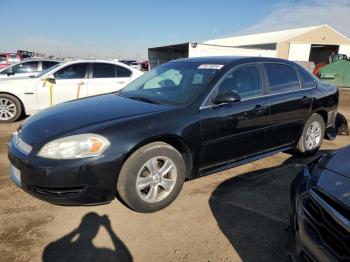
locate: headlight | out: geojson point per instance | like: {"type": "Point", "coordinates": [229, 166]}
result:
{"type": "Point", "coordinates": [77, 146]}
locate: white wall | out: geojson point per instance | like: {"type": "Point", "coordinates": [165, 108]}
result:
{"type": "Point", "coordinates": [208, 50]}
{"type": "Point", "coordinates": [344, 49]}
{"type": "Point", "coordinates": [299, 52]}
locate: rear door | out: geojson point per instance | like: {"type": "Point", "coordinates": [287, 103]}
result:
{"type": "Point", "coordinates": [70, 84]}
{"type": "Point", "coordinates": [238, 130]}
{"type": "Point", "coordinates": [107, 77]}
{"type": "Point", "coordinates": [290, 104]}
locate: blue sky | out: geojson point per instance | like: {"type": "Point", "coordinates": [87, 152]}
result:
{"type": "Point", "coordinates": [125, 29]}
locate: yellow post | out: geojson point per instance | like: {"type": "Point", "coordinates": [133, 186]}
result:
{"type": "Point", "coordinates": [51, 89]}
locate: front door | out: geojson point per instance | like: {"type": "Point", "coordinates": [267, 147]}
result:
{"type": "Point", "coordinates": [236, 130]}
{"type": "Point", "coordinates": [70, 83]}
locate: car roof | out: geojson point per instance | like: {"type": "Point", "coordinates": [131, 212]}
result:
{"type": "Point", "coordinates": [39, 59]}
{"type": "Point", "coordinates": [74, 61]}
{"type": "Point", "coordinates": [230, 59]}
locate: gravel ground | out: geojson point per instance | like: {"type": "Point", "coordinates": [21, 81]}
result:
{"type": "Point", "coordinates": [237, 215]}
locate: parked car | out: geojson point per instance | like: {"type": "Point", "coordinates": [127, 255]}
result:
{"type": "Point", "coordinates": [7, 59]}
{"type": "Point", "coordinates": [136, 65]}
{"type": "Point", "coordinates": [27, 67]}
{"type": "Point", "coordinates": [184, 119]}
{"type": "Point", "coordinates": [127, 62]}
{"type": "Point", "coordinates": [320, 201]}
{"type": "Point", "coordinates": [60, 83]}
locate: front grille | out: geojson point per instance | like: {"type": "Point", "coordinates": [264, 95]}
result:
{"type": "Point", "coordinates": [58, 192]}
{"type": "Point", "coordinates": [324, 230]}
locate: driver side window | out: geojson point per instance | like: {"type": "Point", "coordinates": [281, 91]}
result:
{"type": "Point", "coordinates": [245, 81]}
{"type": "Point", "coordinates": [75, 71]}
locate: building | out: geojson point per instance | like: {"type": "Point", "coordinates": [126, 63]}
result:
{"type": "Point", "coordinates": [310, 44]}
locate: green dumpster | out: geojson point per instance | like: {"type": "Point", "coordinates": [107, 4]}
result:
{"type": "Point", "coordinates": [337, 73]}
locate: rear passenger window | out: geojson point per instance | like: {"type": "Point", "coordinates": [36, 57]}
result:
{"type": "Point", "coordinates": [245, 81]}
{"type": "Point", "coordinates": [101, 70]}
{"type": "Point", "coordinates": [123, 72]}
{"type": "Point", "coordinates": [281, 78]}
{"type": "Point", "coordinates": [306, 80]}
{"type": "Point", "coordinates": [26, 67]}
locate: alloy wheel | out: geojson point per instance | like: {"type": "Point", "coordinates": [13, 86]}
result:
{"type": "Point", "coordinates": [7, 109]}
{"type": "Point", "coordinates": [313, 136]}
{"type": "Point", "coordinates": [156, 179]}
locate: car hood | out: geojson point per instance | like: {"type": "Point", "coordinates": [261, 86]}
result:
{"type": "Point", "coordinates": [333, 178]}
{"type": "Point", "coordinates": [70, 116]}
{"type": "Point", "coordinates": [338, 162]}
{"type": "Point", "coordinates": [333, 185]}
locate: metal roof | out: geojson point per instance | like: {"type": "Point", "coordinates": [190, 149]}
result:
{"type": "Point", "coordinates": [230, 59]}
{"type": "Point", "coordinates": [266, 38]}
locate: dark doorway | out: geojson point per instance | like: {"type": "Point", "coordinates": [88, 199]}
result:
{"type": "Point", "coordinates": [321, 53]}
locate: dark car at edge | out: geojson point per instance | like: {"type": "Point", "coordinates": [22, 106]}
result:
{"type": "Point", "coordinates": [184, 119]}
{"type": "Point", "coordinates": [320, 201]}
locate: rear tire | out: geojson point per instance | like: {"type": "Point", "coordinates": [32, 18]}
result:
{"type": "Point", "coordinates": [312, 136]}
{"type": "Point", "coordinates": [152, 177]}
{"type": "Point", "coordinates": [10, 108]}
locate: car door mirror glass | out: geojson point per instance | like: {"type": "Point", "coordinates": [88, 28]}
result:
{"type": "Point", "coordinates": [51, 79]}
{"type": "Point", "coordinates": [227, 97]}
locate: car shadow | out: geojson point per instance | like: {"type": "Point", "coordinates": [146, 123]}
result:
{"type": "Point", "coordinates": [252, 210]}
{"type": "Point", "coordinates": [78, 245]}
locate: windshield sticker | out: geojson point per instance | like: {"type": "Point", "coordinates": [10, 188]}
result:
{"type": "Point", "coordinates": [210, 66]}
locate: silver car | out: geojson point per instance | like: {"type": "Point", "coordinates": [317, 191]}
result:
{"type": "Point", "coordinates": [27, 67]}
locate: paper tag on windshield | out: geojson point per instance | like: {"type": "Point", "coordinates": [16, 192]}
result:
{"type": "Point", "coordinates": [210, 66]}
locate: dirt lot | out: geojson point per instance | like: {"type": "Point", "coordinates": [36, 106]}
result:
{"type": "Point", "coordinates": [237, 215]}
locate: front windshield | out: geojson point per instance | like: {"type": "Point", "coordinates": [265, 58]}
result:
{"type": "Point", "coordinates": [173, 83]}
{"type": "Point", "coordinates": [47, 70]}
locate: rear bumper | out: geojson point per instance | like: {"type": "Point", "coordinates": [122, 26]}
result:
{"type": "Point", "coordinates": [89, 181]}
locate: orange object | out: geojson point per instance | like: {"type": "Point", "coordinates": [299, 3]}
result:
{"type": "Point", "coordinates": [96, 145]}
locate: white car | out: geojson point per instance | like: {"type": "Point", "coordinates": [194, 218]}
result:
{"type": "Point", "coordinates": [27, 67]}
{"type": "Point", "coordinates": [63, 82]}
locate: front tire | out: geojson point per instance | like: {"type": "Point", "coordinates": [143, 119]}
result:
{"type": "Point", "coordinates": [10, 108]}
{"type": "Point", "coordinates": [152, 177]}
{"type": "Point", "coordinates": [312, 136]}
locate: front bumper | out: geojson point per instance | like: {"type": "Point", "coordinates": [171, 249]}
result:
{"type": "Point", "coordinates": [318, 236]}
{"type": "Point", "coordinates": [88, 181]}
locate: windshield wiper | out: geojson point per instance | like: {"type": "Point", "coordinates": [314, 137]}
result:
{"type": "Point", "coordinates": [144, 99]}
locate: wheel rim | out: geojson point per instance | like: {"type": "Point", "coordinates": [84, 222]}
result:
{"type": "Point", "coordinates": [7, 109]}
{"type": "Point", "coordinates": [313, 136]}
{"type": "Point", "coordinates": [156, 179]}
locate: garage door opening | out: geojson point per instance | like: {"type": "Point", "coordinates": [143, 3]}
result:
{"type": "Point", "coordinates": [322, 53]}
{"type": "Point", "coordinates": [160, 55]}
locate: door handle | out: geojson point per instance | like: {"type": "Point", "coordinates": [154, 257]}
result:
{"type": "Point", "coordinates": [81, 83]}
{"type": "Point", "coordinates": [120, 82]}
{"type": "Point", "coordinates": [259, 109]}
{"type": "Point", "coordinates": [306, 99]}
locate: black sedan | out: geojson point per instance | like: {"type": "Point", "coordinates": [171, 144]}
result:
{"type": "Point", "coordinates": [184, 119]}
{"type": "Point", "coordinates": [321, 208]}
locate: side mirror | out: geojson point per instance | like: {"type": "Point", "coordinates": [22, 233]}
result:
{"type": "Point", "coordinates": [10, 73]}
{"type": "Point", "coordinates": [227, 97]}
{"type": "Point", "coordinates": [51, 79]}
